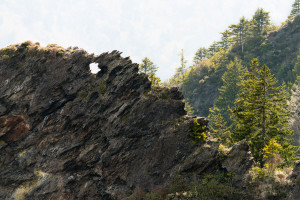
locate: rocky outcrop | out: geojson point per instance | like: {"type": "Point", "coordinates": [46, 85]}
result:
{"type": "Point", "coordinates": [66, 133]}
{"type": "Point", "coordinates": [294, 192]}
{"type": "Point", "coordinates": [294, 107]}
{"type": "Point", "coordinates": [239, 160]}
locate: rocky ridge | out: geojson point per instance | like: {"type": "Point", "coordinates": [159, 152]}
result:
{"type": "Point", "coordinates": [66, 133]}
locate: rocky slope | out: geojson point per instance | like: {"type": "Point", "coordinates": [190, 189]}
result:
{"type": "Point", "coordinates": [66, 133]}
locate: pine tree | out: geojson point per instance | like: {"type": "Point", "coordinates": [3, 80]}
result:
{"type": "Point", "coordinates": [260, 22]}
{"type": "Point", "coordinates": [150, 69]}
{"type": "Point", "coordinates": [220, 130]}
{"type": "Point", "coordinates": [155, 81]}
{"type": "Point", "coordinates": [229, 90]}
{"type": "Point", "coordinates": [271, 154]}
{"type": "Point", "coordinates": [260, 113]}
{"type": "Point", "coordinates": [213, 48]}
{"type": "Point", "coordinates": [181, 70]}
{"type": "Point", "coordinates": [225, 40]}
{"type": "Point", "coordinates": [188, 108]}
{"type": "Point", "coordinates": [200, 55]}
{"type": "Point", "coordinates": [240, 32]}
{"type": "Point", "coordinates": [147, 66]}
{"type": "Point", "coordinates": [295, 9]}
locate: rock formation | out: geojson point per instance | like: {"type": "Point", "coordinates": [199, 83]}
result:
{"type": "Point", "coordinates": [66, 133]}
{"type": "Point", "coordinates": [295, 182]}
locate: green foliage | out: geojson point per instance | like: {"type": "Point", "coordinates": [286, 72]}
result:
{"type": "Point", "coordinates": [147, 66]}
{"type": "Point", "coordinates": [202, 53]}
{"type": "Point", "coordinates": [180, 74]}
{"type": "Point", "coordinates": [198, 131]}
{"type": "Point", "coordinates": [9, 51]}
{"type": "Point", "coordinates": [260, 112]}
{"type": "Point", "coordinates": [198, 83]}
{"type": "Point", "coordinates": [26, 43]}
{"type": "Point", "coordinates": [271, 149]}
{"type": "Point", "coordinates": [178, 184]}
{"type": "Point", "coordinates": [226, 40]}
{"type": "Point", "coordinates": [295, 9]}
{"type": "Point", "coordinates": [155, 81]}
{"type": "Point", "coordinates": [240, 32]}
{"type": "Point", "coordinates": [228, 92]}
{"type": "Point", "coordinates": [61, 51]}
{"type": "Point", "coordinates": [215, 186]}
{"type": "Point", "coordinates": [188, 108]}
{"type": "Point", "coordinates": [182, 68]}
{"type": "Point", "coordinates": [271, 154]}
{"type": "Point", "coordinates": [260, 22]}
{"type": "Point", "coordinates": [150, 69]}
{"type": "Point", "coordinates": [248, 39]}
{"type": "Point", "coordinates": [265, 183]}
{"type": "Point", "coordinates": [220, 130]}
{"type": "Point", "coordinates": [213, 49]}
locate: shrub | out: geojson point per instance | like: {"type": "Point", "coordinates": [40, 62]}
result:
{"type": "Point", "coordinates": [198, 131]}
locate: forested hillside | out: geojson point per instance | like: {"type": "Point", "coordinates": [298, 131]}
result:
{"type": "Point", "coordinates": [278, 49]}
{"type": "Point", "coordinates": [211, 85]}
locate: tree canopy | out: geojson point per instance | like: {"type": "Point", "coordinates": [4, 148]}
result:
{"type": "Point", "coordinates": [150, 69]}
{"type": "Point", "coordinates": [260, 113]}
{"type": "Point", "coordinates": [295, 9]}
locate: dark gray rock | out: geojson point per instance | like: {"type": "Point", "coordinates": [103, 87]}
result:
{"type": "Point", "coordinates": [239, 160]}
{"type": "Point", "coordinates": [294, 192]}
{"type": "Point", "coordinates": [69, 134]}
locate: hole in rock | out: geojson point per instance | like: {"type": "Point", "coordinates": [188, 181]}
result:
{"type": "Point", "coordinates": [94, 68]}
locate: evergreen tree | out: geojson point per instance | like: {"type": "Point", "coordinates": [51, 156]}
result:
{"type": "Point", "coordinates": [271, 154]}
{"type": "Point", "coordinates": [181, 70]}
{"type": "Point", "coordinates": [147, 66]}
{"type": "Point", "coordinates": [295, 9]}
{"type": "Point", "coordinates": [260, 22]}
{"type": "Point", "coordinates": [229, 90]}
{"type": "Point", "coordinates": [220, 130]}
{"type": "Point", "coordinates": [213, 48]}
{"type": "Point", "coordinates": [225, 40]}
{"type": "Point", "coordinates": [150, 69]}
{"type": "Point", "coordinates": [188, 108]}
{"type": "Point", "coordinates": [155, 81]}
{"type": "Point", "coordinates": [200, 55]}
{"type": "Point", "coordinates": [260, 113]}
{"type": "Point", "coordinates": [240, 32]}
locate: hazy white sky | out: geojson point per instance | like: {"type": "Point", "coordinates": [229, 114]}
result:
{"type": "Point", "coordinates": [158, 29]}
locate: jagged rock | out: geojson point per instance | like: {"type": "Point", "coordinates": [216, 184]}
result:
{"type": "Point", "coordinates": [69, 134]}
{"type": "Point", "coordinates": [294, 192]}
{"type": "Point", "coordinates": [202, 158]}
{"type": "Point", "coordinates": [2, 109]}
{"type": "Point", "coordinates": [239, 159]}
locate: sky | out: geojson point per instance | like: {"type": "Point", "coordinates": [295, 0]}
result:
{"type": "Point", "coordinates": [157, 29]}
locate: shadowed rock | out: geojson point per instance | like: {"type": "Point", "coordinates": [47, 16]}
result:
{"type": "Point", "coordinates": [67, 134]}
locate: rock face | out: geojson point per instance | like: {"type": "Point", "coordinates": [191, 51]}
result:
{"type": "Point", "coordinates": [239, 159]}
{"type": "Point", "coordinates": [294, 193]}
{"type": "Point", "coordinates": [294, 106]}
{"type": "Point", "coordinates": [66, 133]}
